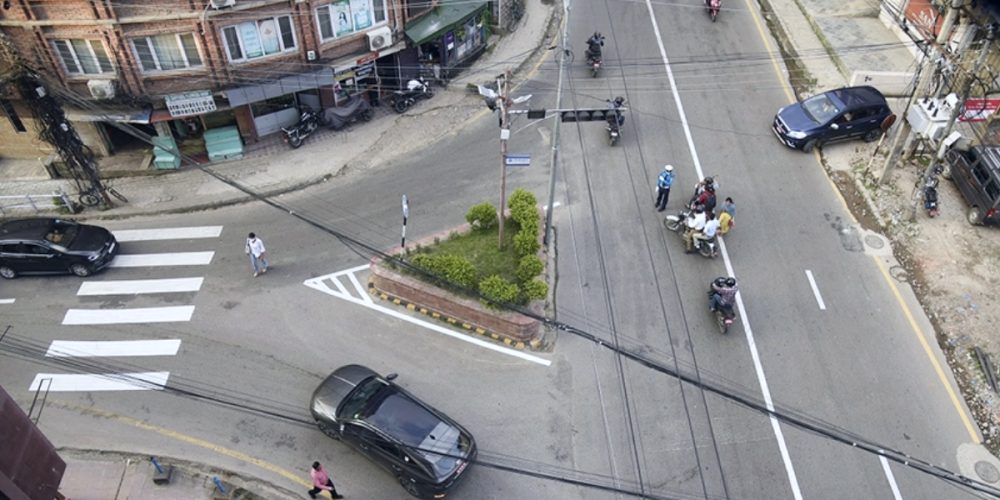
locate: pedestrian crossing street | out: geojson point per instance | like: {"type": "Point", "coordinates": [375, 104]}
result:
{"type": "Point", "coordinates": [184, 263]}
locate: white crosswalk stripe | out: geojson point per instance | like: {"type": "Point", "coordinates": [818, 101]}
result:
{"type": "Point", "coordinates": [72, 349]}
{"type": "Point", "coordinates": [168, 233]}
{"type": "Point", "coordinates": [134, 287]}
{"type": "Point", "coordinates": [169, 314]}
{"type": "Point", "coordinates": [163, 259]}
{"type": "Point", "coordinates": [66, 382]}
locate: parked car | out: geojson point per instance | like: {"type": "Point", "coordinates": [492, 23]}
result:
{"type": "Point", "coordinates": [54, 246]}
{"type": "Point", "coordinates": [835, 115]}
{"type": "Point", "coordinates": [424, 449]}
{"type": "Point", "coordinates": [976, 173]}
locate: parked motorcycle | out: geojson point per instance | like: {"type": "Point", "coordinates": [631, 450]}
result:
{"type": "Point", "coordinates": [356, 109]}
{"type": "Point", "coordinates": [725, 315]}
{"type": "Point", "coordinates": [416, 89]}
{"type": "Point", "coordinates": [309, 120]}
{"type": "Point", "coordinates": [677, 224]}
{"type": "Point", "coordinates": [713, 7]}
{"type": "Point", "coordinates": [615, 120]}
{"type": "Point", "coordinates": [931, 193]}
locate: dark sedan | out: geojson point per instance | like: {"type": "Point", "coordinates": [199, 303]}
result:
{"type": "Point", "coordinates": [54, 246]}
{"type": "Point", "coordinates": [836, 115]}
{"type": "Point", "coordinates": [424, 449]}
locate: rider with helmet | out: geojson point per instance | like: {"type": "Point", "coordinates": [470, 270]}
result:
{"type": "Point", "coordinates": [724, 293]}
{"type": "Point", "coordinates": [617, 119]}
{"type": "Point", "coordinates": [594, 44]}
{"type": "Point", "coordinates": [695, 223]}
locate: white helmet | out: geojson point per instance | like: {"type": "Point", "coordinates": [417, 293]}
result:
{"type": "Point", "coordinates": [668, 168]}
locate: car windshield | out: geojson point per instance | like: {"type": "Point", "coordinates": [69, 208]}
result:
{"type": "Point", "coordinates": [820, 108]}
{"type": "Point", "coordinates": [62, 233]}
{"type": "Point", "coordinates": [356, 403]}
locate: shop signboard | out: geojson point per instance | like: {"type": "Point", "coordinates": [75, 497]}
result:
{"type": "Point", "coordinates": [978, 109]}
{"type": "Point", "coordinates": [190, 103]}
{"type": "Point", "coordinates": [365, 70]}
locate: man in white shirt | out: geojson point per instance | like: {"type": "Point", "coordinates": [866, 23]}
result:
{"type": "Point", "coordinates": [706, 233]}
{"type": "Point", "coordinates": [695, 223]}
{"type": "Point", "coordinates": [258, 255]}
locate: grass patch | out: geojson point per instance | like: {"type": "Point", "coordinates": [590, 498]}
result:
{"type": "Point", "coordinates": [480, 247]}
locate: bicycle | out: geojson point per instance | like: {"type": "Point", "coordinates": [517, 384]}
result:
{"type": "Point", "coordinates": [92, 197]}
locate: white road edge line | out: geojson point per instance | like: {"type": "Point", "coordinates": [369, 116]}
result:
{"type": "Point", "coordinates": [758, 368]}
{"type": "Point", "coordinates": [812, 283]}
{"type": "Point", "coordinates": [892, 479]}
{"type": "Point", "coordinates": [316, 283]}
{"type": "Point", "coordinates": [7, 301]}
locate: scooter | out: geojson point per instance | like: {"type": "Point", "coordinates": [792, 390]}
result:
{"type": "Point", "coordinates": [676, 223]}
{"type": "Point", "coordinates": [615, 119]}
{"type": "Point", "coordinates": [355, 109]}
{"type": "Point", "coordinates": [930, 192]}
{"type": "Point", "coordinates": [308, 122]}
{"type": "Point", "coordinates": [725, 315]}
{"type": "Point", "coordinates": [416, 89]}
{"type": "Point", "coordinates": [713, 7]}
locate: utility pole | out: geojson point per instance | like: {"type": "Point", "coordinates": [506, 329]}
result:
{"type": "Point", "coordinates": [503, 86]}
{"type": "Point", "coordinates": [555, 133]}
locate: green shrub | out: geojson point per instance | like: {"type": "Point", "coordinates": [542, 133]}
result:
{"type": "Point", "coordinates": [534, 290]}
{"type": "Point", "coordinates": [457, 270]}
{"type": "Point", "coordinates": [498, 289]}
{"type": "Point", "coordinates": [482, 216]}
{"type": "Point", "coordinates": [526, 242]}
{"type": "Point", "coordinates": [521, 196]}
{"type": "Point", "coordinates": [524, 214]}
{"type": "Point", "coordinates": [528, 267]}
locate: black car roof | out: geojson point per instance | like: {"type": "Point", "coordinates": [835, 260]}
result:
{"type": "Point", "coordinates": [25, 228]}
{"type": "Point", "coordinates": [864, 95]}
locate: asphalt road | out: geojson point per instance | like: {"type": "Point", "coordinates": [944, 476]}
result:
{"type": "Point", "coordinates": [254, 349]}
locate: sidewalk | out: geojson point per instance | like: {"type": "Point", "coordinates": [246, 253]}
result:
{"type": "Point", "coordinates": [273, 168]}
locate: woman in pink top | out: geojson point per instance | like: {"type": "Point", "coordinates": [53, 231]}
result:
{"type": "Point", "coordinates": [321, 482]}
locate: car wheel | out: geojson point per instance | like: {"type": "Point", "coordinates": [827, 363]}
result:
{"type": "Point", "coordinates": [325, 428]}
{"type": "Point", "coordinates": [974, 215]}
{"type": "Point", "coordinates": [7, 272]}
{"type": "Point", "coordinates": [872, 135]}
{"type": "Point", "coordinates": [409, 486]}
{"type": "Point", "coordinates": [80, 270]}
{"type": "Point", "coordinates": [809, 146]}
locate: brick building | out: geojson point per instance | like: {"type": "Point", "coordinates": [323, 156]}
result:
{"type": "Point", "coordinates": [175, 69]}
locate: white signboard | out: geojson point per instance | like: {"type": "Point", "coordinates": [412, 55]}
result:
{"type": "Point", "coordinates": [190, 103]}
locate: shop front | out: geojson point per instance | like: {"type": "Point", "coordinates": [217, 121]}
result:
{"type": "Point", "coordinates": [451, 36]}
{"type": "Point", "coordinates": [264, 109]}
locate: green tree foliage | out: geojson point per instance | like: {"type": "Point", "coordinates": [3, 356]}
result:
{"type": "Point", "coordinates": [521, 196]}
{"type": "Point", "coordinates": [482, 216]}
{"type": "Point", "coordinates": [526, 242]}
{"type": "Point", "coordinates": [528, 267]}
{"type": "Point", "coordinates": [455, 269]}
{"type": "Point", "coordinates": [534, 290]}
{"type": "Point", "coordinates": [498, 289]}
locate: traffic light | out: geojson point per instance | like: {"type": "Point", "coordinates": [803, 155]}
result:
{"type": "Point", "coordinates": [587, 115]}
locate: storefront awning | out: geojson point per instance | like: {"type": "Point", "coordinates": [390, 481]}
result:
{"type": "Point", "coordinates": [441, 18]}
{"type": "Point", "coordinates": [277, 88]}
{"type": "Point", "coordinates": [108, 113]}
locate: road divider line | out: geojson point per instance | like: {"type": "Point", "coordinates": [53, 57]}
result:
{"type": "Point", "coordinates": [168, 233]}
{"type": "Point", "coordinates": [85, 382]}
{"type": "Point", "coordinates": [889, 477]}
{"type": "Point", "coordinates": [135, 287]}
{"type": "Point", "coordinates": [812, 283]}
{"type": "Point", "coordinates": [69, 348]}
{"type": "Point", "coordinates": [7, 301]}
{"type": "Point", "coordinates": [169, 314]}
{"type": "Point", "coordinates": [361, 290]}
{"type": "Point", "coordinates": [163, 259]}
{"type": "Point", "coordinates": [751, 343]}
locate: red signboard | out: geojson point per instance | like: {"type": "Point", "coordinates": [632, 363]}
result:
{"type": "Point", "coordinates": [925, 17]}
{"type": "Point", "coordinates": [978, 109]}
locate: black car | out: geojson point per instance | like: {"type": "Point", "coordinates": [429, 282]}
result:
{"type": "Point", "coordinates": [835, 115]}
{"type": "Point", "coordinates": [54, 246]}
{"type": "Point", "coordinates": [424, 449]}
{"type": "Point", "coordinates": [976, 173]}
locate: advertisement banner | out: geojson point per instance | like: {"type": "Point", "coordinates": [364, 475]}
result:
{"type": "Point", "coordinates": [978, 109]}
{"type": "Point", "coordinates": [342, 17]}
{"type": "Point", "coordinates": [251, 41]}
{"type": "Point", "coordinates": [362, 14]}
{"type": "Point", "coordinates": [269, 36]}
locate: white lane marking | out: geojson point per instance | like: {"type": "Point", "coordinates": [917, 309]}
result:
{"type": "Point", "coordinates": [163, 259]}
{"type": "Point", "coordinates": [168, 233]}
{"type": "Point", "coordinates": [65, 382]}
{"type": "Point", "coordinates": [812, 283]}
{"type": "Point", "coordinates": [69, 348]}
{"type": "Point", "coordinates": [123, 316]}
{"type": "Point", "coordinates": [361, 290]}
{"type": "Point", "coordinates": [7, 301]}
{"type": "Point", "coordinates": [317, 284]}
{"type": "Point", "coordinates": [758, 368]}
{"type": "Point", "coordinates": [554, 205]}
{"type": "Point", "coordinates": [892, 479]}
{"type": "Point", "coordinates": [132, 287]}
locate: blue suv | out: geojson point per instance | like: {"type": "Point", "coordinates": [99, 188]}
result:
{"type": "Point", "coordinates": [835, 115]}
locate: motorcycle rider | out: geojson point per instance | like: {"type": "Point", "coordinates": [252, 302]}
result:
{"type": "Point", "coordinates": [695, 223]}
{"type": "Point", "coordinates": [724, 293]}
{"type": "Point", "coordinates": [617, 119]}
{"type": "Point", "coordinates": [705, 196]}
{"type": "Point", "coordinates": [594, 44]}
{"type": "Point", "coordinates": [707, 233]}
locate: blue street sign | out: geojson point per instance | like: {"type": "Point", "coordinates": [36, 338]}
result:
{"type": "Point", "coordinates": [517, 160]}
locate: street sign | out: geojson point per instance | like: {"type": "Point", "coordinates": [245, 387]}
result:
{"type": "Point", "coordinates": [517, 160]}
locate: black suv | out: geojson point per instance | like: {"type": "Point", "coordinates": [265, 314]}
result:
{"type": "Point", "coordinates": [976, 173]}
{"type": "Point", "coordinates": [424, 449]}
{"type": "Point", "coordinates": [54, 246]}
{"type": "Point", "coordinates": [835, 115]}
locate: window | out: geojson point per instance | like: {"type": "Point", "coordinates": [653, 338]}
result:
{"type": "Point", "coordinates": [83, 57]}
{"type": "Point", "coordinates": [166, 52]}
{"type": "Point", "coordinates": [344, 17]}
{"type": "Point", "coordinates": [260, 38]}
{"type": "Point", "coordinates": [15, 121]}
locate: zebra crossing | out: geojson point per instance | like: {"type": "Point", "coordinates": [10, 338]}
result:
{"type": "Point", "coordinates": [137, 381]}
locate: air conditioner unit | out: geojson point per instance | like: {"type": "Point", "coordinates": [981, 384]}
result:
{"type": "Point", "coordinates": [379, 38]}
{"type": "Point", "coordinates": [101, 89]}
{"type": "Point", "coordinates": [218, 4]}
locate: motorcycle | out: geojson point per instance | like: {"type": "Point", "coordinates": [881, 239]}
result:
{"type": "Point", "coordinates": [594, 61]}
{"type": "Point", "coordinates": [615, 120]}
{"type": "Point", "coordinates": [930, 192]}
{"type": "Point", "coordinates": [355, 109]}
{"type": "Point", "coordinates": [725, 315]}
{"type": "Point", "coordinates": [713, 7]}
{"type": "Point", "coordinates": [416, 90]}
{"type": "Point", "coordinates": [676, 223]}
{"type": "Point", "coordinates": [309, 121]}
{"type": "Point", "coordinates": [594, 44]}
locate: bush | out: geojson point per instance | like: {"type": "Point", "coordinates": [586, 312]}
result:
{"type": "Point", "coordinates": [528, 267]}
{"type": "Point", "coordinates": [526, 242]}
{"type": "Point", "coordinates": [455, 269]}
{"type": "Point", "coordinates": [521, 196]}
{"type": "Point", "coordinates": [534, 290]}
{"type": "Point", "coordinates": [482, 216]}
{"type": "Point", "coordinates": [499, 290]}
{"type": "Point", "coordinates": [524, 215]}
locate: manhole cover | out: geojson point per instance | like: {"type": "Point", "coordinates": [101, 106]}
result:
{"type": "Point", "coordinates": [987, 471]}
{"type": "Point", "coordinates": [874, 241]}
